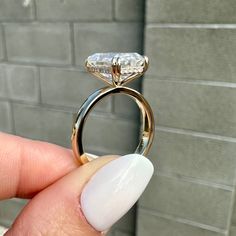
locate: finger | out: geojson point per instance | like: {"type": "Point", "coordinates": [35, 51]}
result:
{"type": "Point", "coordinates": [87, 200]}
{"type": "Point", "coordinates": [27, 166]}
{"type": "Point", "coordinates": [56, 210]}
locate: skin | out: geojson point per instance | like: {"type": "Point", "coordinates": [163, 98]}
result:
{"type": "Point", "coordinates": [50, 176]}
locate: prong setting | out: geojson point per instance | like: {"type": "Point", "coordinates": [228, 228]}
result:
{"type": "Point", "coordinates": [117, 69]}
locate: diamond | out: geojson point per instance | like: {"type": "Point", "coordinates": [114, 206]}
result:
{"type": "Point", "coordinates": [130, 65]}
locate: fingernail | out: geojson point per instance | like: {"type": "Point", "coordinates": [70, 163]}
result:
{"type": "Point", "coordinates": [114, 189]}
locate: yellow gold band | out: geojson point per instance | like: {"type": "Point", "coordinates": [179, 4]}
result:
{"type": "Point", "coordinates": [147, 132]}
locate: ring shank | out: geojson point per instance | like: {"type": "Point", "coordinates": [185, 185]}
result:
{"type": "Point", "coordinates": [147, 133]}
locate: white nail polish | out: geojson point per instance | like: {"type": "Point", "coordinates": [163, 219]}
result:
{"type": "Point", "coordinates": [114, 189]}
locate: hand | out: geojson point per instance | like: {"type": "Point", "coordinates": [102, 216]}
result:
{"type": "Point", "coordinates": [67, 199]}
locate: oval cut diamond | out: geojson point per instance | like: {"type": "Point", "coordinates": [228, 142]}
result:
{"type": "Point", "coordinates": [129, 64]}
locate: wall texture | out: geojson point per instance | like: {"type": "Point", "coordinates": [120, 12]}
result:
{"type": "Point", "coordinates": [42, 80]}
{"type": "Point", "coordinates": [191, 86]}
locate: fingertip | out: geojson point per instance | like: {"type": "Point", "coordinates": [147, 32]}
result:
{"type": "Point", "coordinates": [114, 189]}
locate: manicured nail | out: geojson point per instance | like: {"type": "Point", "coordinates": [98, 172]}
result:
{"type": "Point", "coordinates": [114, 189]}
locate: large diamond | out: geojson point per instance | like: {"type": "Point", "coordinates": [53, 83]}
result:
{"type": "Point", "coordinates": [130, 63]}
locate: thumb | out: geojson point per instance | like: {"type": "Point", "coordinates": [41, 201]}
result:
{"type": "Point", "coordinates": [88, 200]}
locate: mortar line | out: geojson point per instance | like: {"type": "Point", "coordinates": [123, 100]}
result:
{"type": "Point", "coordinates": [194, 81]}
{"type": "Point", "coordinates": [65, 21]}
{"type": "Point", "coordinates": [189, 25]}
{"type": "Point", "coordinates": [57, 66]}
{"type": "Point", "coordinates": [113, 5]}
{"type": "Point", "coordinates": [39, 85]}
{"type": "Point", "coordinates": [231, 212]}
{"type": "Point", "coordinates": [72, 42]}
{"type": "Point", "coordinates": [196, 134]}
{"type": "Point", "coordinates": [195, 181]}
{"type": "Point", "coordinates": [13, 125]}
{"type": "Point", "coordinates": [35, 14]}
{"type": "Point", "coordinates": [151, 212]}
{"type": "Point", "coordinates": [4, 43]}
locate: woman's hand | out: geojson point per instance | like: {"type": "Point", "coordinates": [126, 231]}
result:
{"type": "Point", "coordinates": [67, 199]}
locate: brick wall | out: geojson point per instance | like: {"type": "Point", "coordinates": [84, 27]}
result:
{"type": "Point", "coordinates": [190, 85]}
{"type": "Point", "coordinates": [42, 80]}
{"type": "Point", "coordinates": [191, 46]}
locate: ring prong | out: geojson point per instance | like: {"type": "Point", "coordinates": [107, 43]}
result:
{"type": "Point", "coordinates": [116, 71]}
{"type": "Point", "coordinates": [86, 64]}
{"type": "Point", "coordinates": [146, 63]}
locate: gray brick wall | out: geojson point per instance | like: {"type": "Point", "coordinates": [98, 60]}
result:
{"type": "Point", "coordinates": [191, 87]}
{"type": "Point", "coordinates": [191, 11]}
{"type": "Point", "coordinates": [74, 10]}
{"type": "Point", "coordinates": [13, 10]}
{"type": "Point", "coordinates": [196, 53]}
{"type": "Point", "coordinates": [38, 43]}
{"type": "Point", "coordinates": [42, 51]}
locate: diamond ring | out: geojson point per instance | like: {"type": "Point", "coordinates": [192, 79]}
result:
{"type": "Point", "coordinates": [115, 69]}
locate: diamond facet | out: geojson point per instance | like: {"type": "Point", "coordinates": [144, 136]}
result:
{"type": "Point", "coordinates": [129, 64]}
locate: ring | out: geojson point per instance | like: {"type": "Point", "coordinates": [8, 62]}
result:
{"type": "Point", "coordinates": [115, 69]}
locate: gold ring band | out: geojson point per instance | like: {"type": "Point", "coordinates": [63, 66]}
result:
{"type": "Point", "coordinates": [147, 120]}
{"type": "Point", "coordinates": [116, 82]}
